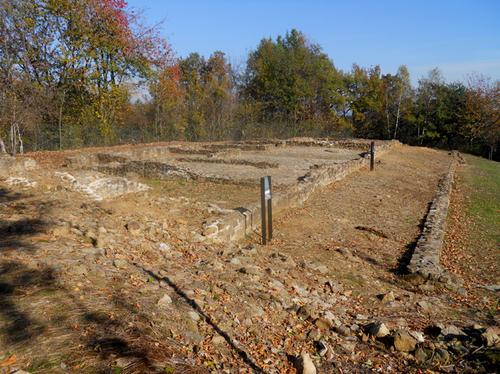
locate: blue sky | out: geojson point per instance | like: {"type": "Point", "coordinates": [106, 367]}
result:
{"type": "Point", "coordinates": [457, 36]}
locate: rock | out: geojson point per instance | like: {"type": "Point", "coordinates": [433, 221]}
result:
{"type": "Point", "coordinates": [332, 318]}
{"type": "Point", "coordinates": [361, 317]}
{"type": "Point", "coordinates": [348, 346]}
{"type": "Point", "coordinates": [235, 261]}
{"type": "Point", "coordinates": [80, 269]}
{"type": "Point", "coordinates": [323, 323]}
{"type": "Point", "coordinates": [424, 305]}
{"type": "Point", "coordinates": [164, 247]}
{"type": "Point", "coordinates": [490, 336]}
{"type": "Point", "coordinates": [420, 355]}
{"type": "Point", "coordinates": [123, 362]}
{"type": "Point", "coordinates": [305, 364]}
{"type": "Point", "coordinates": [442, 356]}
{"type": "Point", "coordinates": [218, 340]}
{"type": "Point", "coordinates": [451, 332]}
{"type": "Point", "coordinates": [61, 230]}
{"type": "Point", "coordinates": [306, 312]}
{"type": "Point", "coordinates": [404, 342]}
{"type": "Point", "coordinates": [133, 227]}
{"type": "Point", "coordinates": [193, 315]}
{"type": "Point", "coordinates": [378, 330]}
{"type": "Point", "coordinates": [250, 270]}
{"type": "Point", "coordinates": [343, 330]}
{"type": "Point", "coordinates": [165, 301]}
{"type": "Point", "coordinates": [492, 287]}
{"type": "Point", "coordinates": [119, 263]}
{"type": "Point", "coordinates": [315, 334]}
{"type": "Point", "coordinates": [388, 297]}
{"type": "Point", "coordinates": [418, 336]}
{"type": "Point", "coordinates": [101, 241]}
{"type": "Point", "coordinates": [210, 230]}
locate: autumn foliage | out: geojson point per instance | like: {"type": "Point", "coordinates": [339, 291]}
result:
{"type": "Point", "coordinates": [90, 72]}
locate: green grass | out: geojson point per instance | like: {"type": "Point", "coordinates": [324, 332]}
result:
{"type": "Point", "coordinates": [483, 179]}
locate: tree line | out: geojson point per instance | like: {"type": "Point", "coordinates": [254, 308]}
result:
{"type": "Point", "coordinates": [77, 73]}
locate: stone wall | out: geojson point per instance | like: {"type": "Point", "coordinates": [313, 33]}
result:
{"type": "Point", "coordinates": [425, 260]}
{"type": "Point", "coordinates": [243, 221]}
{"type": "Point", "coordinates": [11, 165]}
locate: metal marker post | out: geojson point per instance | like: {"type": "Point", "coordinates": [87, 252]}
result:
{"type": "Point", "coordinates": [266, 198]}
{"type": "Point", "coordinates": [263, 208]}
{"type": "Point", "coordinates": [372, 155]}
{"type": "Point", "coordinates": [270, 210]}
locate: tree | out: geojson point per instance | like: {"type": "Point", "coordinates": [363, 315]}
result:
{"type": "Point", "coordinates": [483, 112]}
{"type": "Point", "coordinates": [292, 81]}
{"type": "Point", "coordinates": [78, 55]}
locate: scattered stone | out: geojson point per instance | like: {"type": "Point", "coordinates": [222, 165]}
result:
{"type": "Point", "coordinates": [424, 305]}
{"type": "Point", "coordinates": [235, 261]}
{"type": "Point", "coordinates": [343, 330]}
{"type": "Point", "coordinates": [61, 230]}
{"type": "Point", "coordinates": [20, 181]}
{"type": "Point", "coordinates": [404, 342]}
{"type": "Point", "coordinates": [164, 247]}
{"type": "Point", "coordinates": [441, 355]}
{"type": "Point", "coordinates": [348, 346]}
{"type": "Point", "coordinates": [250, 270]}
{"type": "Point", "coordinates": [323, 323]}
{"type": "Point", "coordinates": [218, 340]}
{"type": "Point", "coordinates": [80, 269]}
{"type": "Point", "coordinates": [420, 355]}
{"type": "Point", "coordinates": [451, 332]}
{"type": "Point", "coordinates": [165, 301]}
{"type": "Point", "coordinates": [388, 297]}
{"type": "Point", "coordinates": [315, 334]}
{"type": "Point", "coordinates": [123, 362]}
{"type": "Point", "coordinates": [134, 228]}
{"type": "Point", "coordinates": [119, 263]}
{"type": "Point", "coordinates": [492, 287]}
{"type": "Point", "coordinates": [378, 330]}
{"type": "Point", "coordinates": [306, 312]}
{"type": "Point", "coordinates": [193, 315]}
{"type": "Point", "coordinates": [305, 364]}
{"type": "Point", "coordinates": [490, 336]}
{"type": "Point", "coordinates": [418, 336]}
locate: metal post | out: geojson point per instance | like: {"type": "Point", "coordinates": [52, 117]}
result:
{"type": "Point", "coordinates": [263, 209]}
{"type": "Point", "coordinates": [372, 155]}
{"type": "Point", "coordinates": [270, 210]}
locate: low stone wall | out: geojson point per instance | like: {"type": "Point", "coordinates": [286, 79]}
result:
{"type": "Point", "coordinates": [425, 260]}
{"type": "Point", "coordinates": [245, 220]}
{"type": "Point", "coordinates": [11, 165]}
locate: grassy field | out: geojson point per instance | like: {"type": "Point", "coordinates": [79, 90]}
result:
{"type": "Point", "coordinates": [483, 206]}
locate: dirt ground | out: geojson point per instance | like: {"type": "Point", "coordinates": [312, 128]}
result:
{"type": "Point", "coordinates": [121, 286]}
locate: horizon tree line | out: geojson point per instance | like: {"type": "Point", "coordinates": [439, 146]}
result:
{"type": "Point", "coordinates": [70, 71]}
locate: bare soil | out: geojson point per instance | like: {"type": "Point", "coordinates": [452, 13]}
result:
{"type": "Point", "coordinates": [80, 291]}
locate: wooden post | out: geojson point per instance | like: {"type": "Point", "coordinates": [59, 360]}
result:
{"type": "Point", "coordinates": [270, 210]}
{"type": "Point", "coordinates": [263, 209]}
{"type": "Point", "coordinates": [372, 156]}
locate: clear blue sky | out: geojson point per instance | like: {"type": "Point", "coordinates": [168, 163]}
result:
{"type": "Point", "coordinates": [456, 36]}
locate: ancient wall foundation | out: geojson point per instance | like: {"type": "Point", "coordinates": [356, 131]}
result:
{"type": "Point", "coordinates": [425, 260]}
{"type": "Point", "coordinates": [243, 221]}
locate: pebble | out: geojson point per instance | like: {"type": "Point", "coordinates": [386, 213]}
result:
{"type": "Point", "coordinates": [193, 315]}
{"type": "Point", "coordinates": [165, 300]}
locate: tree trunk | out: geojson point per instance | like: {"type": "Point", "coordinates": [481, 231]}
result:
{"type": "Point", "coordinates": [397, 115]}
{"type": "Point", "coordinates": [60, 124]}
{"type": "Point", "coordinates": [2, 146]}
{"type": "Point", "coordinates": [490, 153]}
